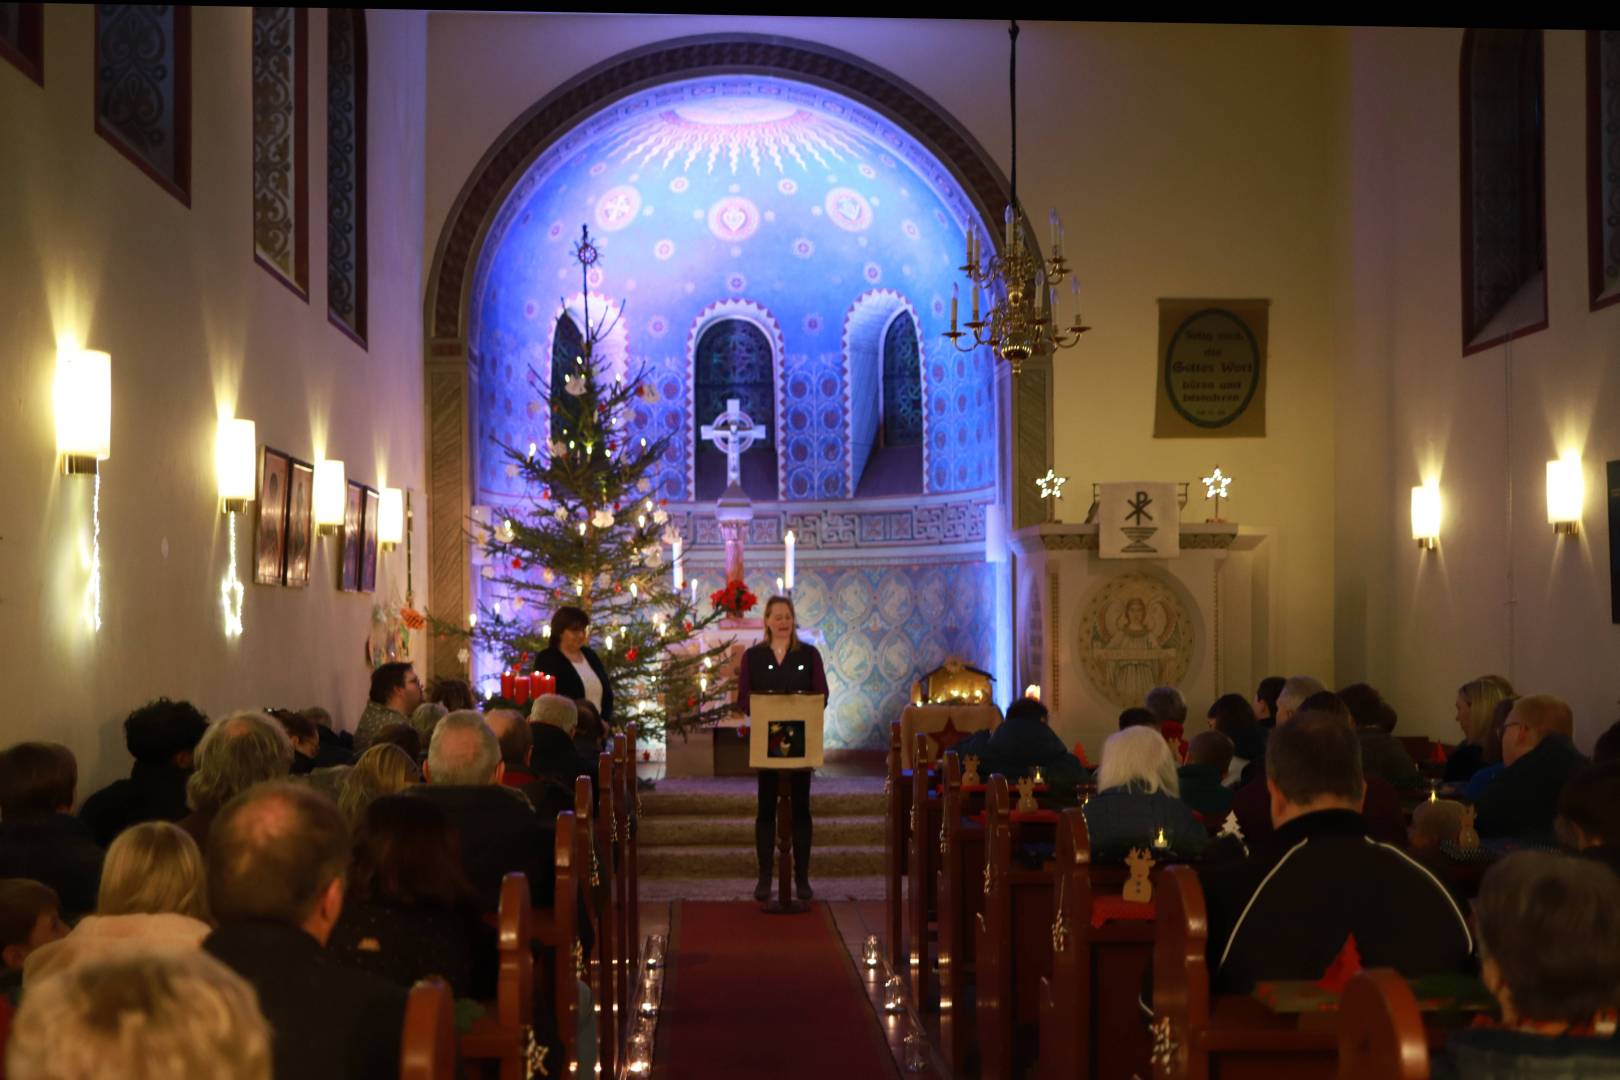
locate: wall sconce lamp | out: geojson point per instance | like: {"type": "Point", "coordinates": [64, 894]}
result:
{"type": "Point", "coordinates": [391, 518]}
{"type": "Point", "coordinates": [1426, 515]}
{"type": "Point", "coordinates": [330, 490]}
{"type": "Point", "coordinates": [236, 446]}
{"type": "Point", "coordinates": [83, 409]}
{"type": "Point", "coordinates": [83, 399]}
{"type": "Point", "coordinates": [1566, 494]}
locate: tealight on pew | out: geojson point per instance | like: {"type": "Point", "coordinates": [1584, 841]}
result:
{"type": "Point", "coordinates": [1012, 934]}
{"type": "Point", "coordinates": [1090, 1022]}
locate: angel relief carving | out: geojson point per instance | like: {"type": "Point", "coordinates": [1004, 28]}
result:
{"type": "Point", "coordinates": [1136, 635]}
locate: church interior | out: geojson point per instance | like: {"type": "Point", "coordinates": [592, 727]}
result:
{"type": "Point", "coordinates": [302, 305]}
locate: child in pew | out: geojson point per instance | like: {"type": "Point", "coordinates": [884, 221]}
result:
{"type": "Point", "coordinates": [1549, 939]}
{"type": "Point", "coordinates": [30, 917]}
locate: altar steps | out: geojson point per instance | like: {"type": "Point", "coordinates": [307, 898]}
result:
{"type": "Point", "coordinates": [701, 831]}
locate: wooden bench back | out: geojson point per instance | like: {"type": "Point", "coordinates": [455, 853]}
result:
{"type": "Point", "coordinates": [1090, 1019]}
{"type": "Point", "coordinates": [922, 863]}
{"type": "Point", "coordinates": [1381, 1032]}
{"type": "Point", "coordinates": [607, 968]}
{"type": "Point", "coordinates": [572, 871]}
{"type": "Point", "coordinates": [505, 1035]}
{"type": "Point", "coordinates": [895, 842]}
{"type": "Point", "coordinates": [626, 756]}
{"type": "Point", "coordinates": [428, 1045]}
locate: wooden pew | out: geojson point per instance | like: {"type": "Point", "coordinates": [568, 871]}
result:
{"type": "Point", "coordinates": [922, 866]}
{"type": "Point", "coordinates": [629, 882]}
{"type": "Point", "coordinates": [960, 899]}
{"type": "Point", "coordinates": [1091, 1024]}
{"type": "Point", "coordinates": [505, 1033]}
{"type": "Point", "coordinates": [1381, 1031]}
{"type": "Point", "coordinates": [894, 852]}
{"type": "Point", "coordinates": [1012, 934]}
{"type": "Point", "coordinates": [604, 916]}
{"type": "Point", "coordinates": [573, 875]}
{"type": "Point", "coordinates": [427, 1048]}
{"type": "Point", "coordinates": [1199, 1036]}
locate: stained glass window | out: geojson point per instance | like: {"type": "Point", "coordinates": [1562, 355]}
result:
{"type": "Point", "coordinates": [734, 360]}
{"type": "Point", "coordinates": [902, 383]}
{"type": "Point", "coordinates": [566, 347]}
{"type": "Point", "coordinates": [280, 144]}
{"type": "Point", "coordinates": [143, 89]}
{"type": "Point", "coordinates": [1504, 203]}
{"type": "Point", "coordinates": [346, 170]}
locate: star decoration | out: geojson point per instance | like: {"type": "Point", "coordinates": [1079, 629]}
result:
{"type": "Point", "coordinates": [1216, 483]}
{"type": "Point", "coordinates": [1051, 484]}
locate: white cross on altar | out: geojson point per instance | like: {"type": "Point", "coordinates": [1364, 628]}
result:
{"type": "Point", "coordinates": [733, 431]}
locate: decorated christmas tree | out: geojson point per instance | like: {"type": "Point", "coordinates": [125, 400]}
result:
{"type": "Point", "coordinates": [589, 532]}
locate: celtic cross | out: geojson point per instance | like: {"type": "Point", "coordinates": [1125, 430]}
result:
{"type": "Point", "coordinates": [733, 432]}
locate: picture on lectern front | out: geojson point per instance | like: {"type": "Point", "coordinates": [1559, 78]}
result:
{"type": "Point", "coordinates": [785, 739]}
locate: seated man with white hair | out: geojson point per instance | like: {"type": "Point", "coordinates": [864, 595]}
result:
{"type": "Point", "coordinates": [498, 829]}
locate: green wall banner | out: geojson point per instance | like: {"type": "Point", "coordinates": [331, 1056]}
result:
{"type": "Point", "coordinates": [1212, 369]}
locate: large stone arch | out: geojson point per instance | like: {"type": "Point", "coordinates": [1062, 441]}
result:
{"type": "Point", "coordinates": [451, 382]}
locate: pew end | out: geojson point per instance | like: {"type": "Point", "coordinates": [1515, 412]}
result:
{"type": "Point", "coordinates": [1381, 1031]}
{"type": "Point", "coordinates": [428, 1045]}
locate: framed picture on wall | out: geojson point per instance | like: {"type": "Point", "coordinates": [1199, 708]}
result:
{"type": "Point", "coordinates": [300, 523]}
{"type": "Point", "coordinates": [368, 546]}
{"type": "Point", "coordinates": [353, 515]}
{"type": "Point", "coordinates": [270, 537]}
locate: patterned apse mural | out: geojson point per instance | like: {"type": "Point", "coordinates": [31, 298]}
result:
{"type": "Point", "coordinates": [795, 214]}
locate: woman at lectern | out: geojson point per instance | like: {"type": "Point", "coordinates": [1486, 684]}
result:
{"type": "Point", "coordinates": [781, 664]}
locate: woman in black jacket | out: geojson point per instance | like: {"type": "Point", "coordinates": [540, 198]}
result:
{"type": "Point", "coordinates": [781, 664]}
{"type": "Point", "coordinates": [409, 911]}
{"type": "Point", "coordinates": [576, 667]}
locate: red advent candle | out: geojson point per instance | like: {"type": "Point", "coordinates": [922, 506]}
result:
{"type": "Point", "coordinates": [522, 688]}
{"type": "Point", "coordinates": [507, 679]}
{"type": "Point", "coordinates": [537, 684]}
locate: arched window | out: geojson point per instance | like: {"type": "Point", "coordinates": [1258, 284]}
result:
{"type": "Point", "coordinates": [567, 346]}
{"type": "Point", "coordinates": [1504, 240]}
{"type": "Point", "coordinates": [902, 383]}
{"type": "Point", "coordinates": [734, 360]}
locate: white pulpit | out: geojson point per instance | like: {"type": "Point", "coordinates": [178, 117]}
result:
{"type": "Point", "coordinates": [1096, 634]}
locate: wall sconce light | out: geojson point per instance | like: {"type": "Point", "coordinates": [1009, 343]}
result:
{"type": "Point", "coordinates": [235, 447]}
{"type": "Point", "coordinates": [330, 489]}
{"type": "Point", "coordinates": [235, 451]}
{"type": "Point", "coordinates": [391, 518]}
{"type": "Point", "coordinates": [1566, 494]}
{"type": "Point", "coordinates": [83, 409]}
{"type": "Point", "coordinates": [1426, 515]}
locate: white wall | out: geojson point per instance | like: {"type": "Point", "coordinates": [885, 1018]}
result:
{"type": "Point", "coordinates": [1502, 593]}
{"type": "Point", "coordinates": [1189, 162]}
{"type": "Point", "coordinates": [90, 247]}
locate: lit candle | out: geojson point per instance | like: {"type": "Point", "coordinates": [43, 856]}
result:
{"type": "Point", "coordinates": [955, 289]}
{"type": "Point", "coordinates": [790, 541]}
{"type": "Point", "coordinates": [1159, 841]}
{"type": "Point", "coordinates": [508, 680]}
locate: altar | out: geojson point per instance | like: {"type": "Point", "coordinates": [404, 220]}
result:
{"type": "Point", "coordinates": [1095, 634]}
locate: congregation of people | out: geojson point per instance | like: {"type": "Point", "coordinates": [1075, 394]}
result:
{"type": "Point", "coordinates": [1318, 838]}
{"type": "Point", "coordinates": [264, 889]}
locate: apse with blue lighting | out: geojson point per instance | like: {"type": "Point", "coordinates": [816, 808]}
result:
{"type": "Point", "coordinates": [779, 244]}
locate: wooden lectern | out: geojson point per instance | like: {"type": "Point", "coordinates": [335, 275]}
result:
{"type": "Point", "coordinates": [785, 733]}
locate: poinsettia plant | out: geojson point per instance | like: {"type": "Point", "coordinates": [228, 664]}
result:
{"type": "Point", "coordinates": [734, 598]}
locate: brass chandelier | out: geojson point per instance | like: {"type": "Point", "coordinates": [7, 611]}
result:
{"type": "Point", "coordinates": [1021, 287]}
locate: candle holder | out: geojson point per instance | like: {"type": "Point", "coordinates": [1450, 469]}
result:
{"type": "Point", "coordinates": [894, 995]}
{"type": "Point", "coordinates": [914, 1054]}
{"type": "Point", "coordinates": [871, 952]}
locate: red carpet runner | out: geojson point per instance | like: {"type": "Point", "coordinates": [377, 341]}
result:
{"type": "Point", "coordinates": [768, 996]}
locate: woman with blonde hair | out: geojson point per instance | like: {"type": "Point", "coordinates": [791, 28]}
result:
{"type": "Point", "coordinates": [1138, 801]}
{"type": "Point", "coordinates": [383, 769]}
{"type": "Point", "coordinates": [1476, 704]}
{"type": "Point", "coordinates": [154, 896]}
